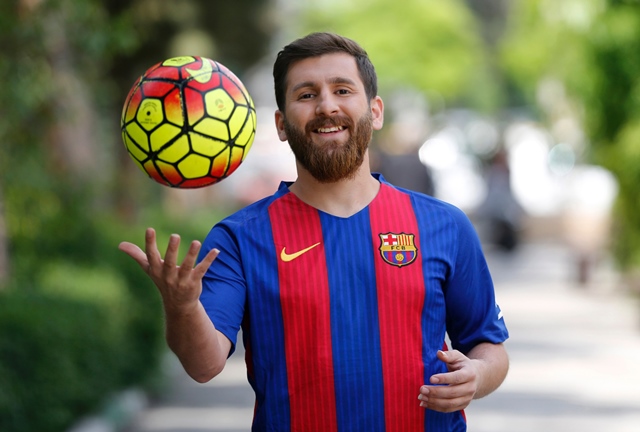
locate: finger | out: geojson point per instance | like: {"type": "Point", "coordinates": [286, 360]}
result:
{"type": "Point", "coordinates": [204, 265]}
{"type": "Point", "coordinates": [190, 259]}
{"type": "Point", "coordinates": [151, 248]}
{"type": "Point", "coordinates": [136, 253]}
{"type": "Point", "coordinates": [171, 257]}
{"type": "Point", "coordinates": [449, 357]}
{"type": "Point", "coordinates": [192, 254]}
{"type": "Point", "coordinates": [453, 359]}
{"type": "Point", "coordinates": [444, 398]}
{"type": "Point", "coordinates": [452, 378]}
{"type": "Point", "coordinates": [445, 405]}
{"type": "Point", "coordinates": [445, 392]}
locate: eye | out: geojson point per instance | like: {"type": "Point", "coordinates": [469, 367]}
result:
{"type": "Point", "coordinates": [306, 96]}
{"type": "Point", "coordinates": [343, 91]}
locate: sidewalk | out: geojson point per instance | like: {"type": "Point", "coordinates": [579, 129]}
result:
{"type": "Point", "coordinates": [575, 360]}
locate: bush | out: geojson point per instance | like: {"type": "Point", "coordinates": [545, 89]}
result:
{"type": "Point", "coordinates": [59, 358]}
{"type": "Point", "coordinates": [75, 331]}
{"type": "Point", "coordinates": [79, 321]}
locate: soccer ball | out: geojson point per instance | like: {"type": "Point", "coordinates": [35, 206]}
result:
{"type": "Point", "coordinates": [188, 122]}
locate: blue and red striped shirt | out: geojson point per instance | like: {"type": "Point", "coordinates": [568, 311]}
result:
{"type": "Point", "coordinates": [342, 317]}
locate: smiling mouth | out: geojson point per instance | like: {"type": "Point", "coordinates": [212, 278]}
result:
{"type": "Point", "coordinates": [330, 129]}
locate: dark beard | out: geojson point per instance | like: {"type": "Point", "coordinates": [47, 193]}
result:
{"type": "Point", "coordinates": [332, 161]}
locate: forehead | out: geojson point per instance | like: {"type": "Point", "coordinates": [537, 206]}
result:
{"type": "Point", "coordinates": [327, 68]}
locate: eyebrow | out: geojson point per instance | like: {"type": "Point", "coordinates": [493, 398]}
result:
{"type": "Point", "coordinates": [334, 80]}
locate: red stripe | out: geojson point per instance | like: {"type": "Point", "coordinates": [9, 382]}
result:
{"type": "Point", "coordinates": [401, 296]}
{"type": "Point", "coordinates": [304, 297]}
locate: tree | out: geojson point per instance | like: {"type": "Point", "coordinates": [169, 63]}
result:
{"type": "Point", "coordinates": [66, 67]}
{"type": "Point", "coordinates": [612, 108]}
{"type": "Point", "coordinates": [427, 46]}
{"type": "Point", "coordinates": [593, 49]}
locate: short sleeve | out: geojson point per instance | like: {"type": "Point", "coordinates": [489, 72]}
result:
{"type": "Point", "coordinates": [224, 286]}
{"type": "Point", "coordinates": [473, 315]}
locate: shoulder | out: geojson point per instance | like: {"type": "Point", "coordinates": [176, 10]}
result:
{"type": "Point", "coordinates": [250, 215]}
{"type": "Point", "coordinates": [429, 206]}
{"type": "Point", "coordinates": [439, 222]}
{"type": "Point", "coordinates": [249, 219]}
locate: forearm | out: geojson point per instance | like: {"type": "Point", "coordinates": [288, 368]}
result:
{"type": "Point", "coordinates": [201, 349]}
{"type": "Point", "coordinates": [492, 363]}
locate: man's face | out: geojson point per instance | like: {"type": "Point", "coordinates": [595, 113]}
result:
{"type": "Point", "coordinates": [328, 120]}
{"type": "Point", "coordinates": [333, 160]}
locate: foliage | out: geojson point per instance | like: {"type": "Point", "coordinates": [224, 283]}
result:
{"type": "Point", "coordinates": [430, 46]}
{"type": "Point", "coordinates": [593, 48]}
{"type": "Point", "coordinates": [78, 319]}
{"type": "Point", "coordinates": [63, 349]}
{"type": "Point", "coordinates": [613, 114]}
{"type": "Point", "coordinates": [78, 322]}
{"type": "Point", "coordinates": [545, 39]}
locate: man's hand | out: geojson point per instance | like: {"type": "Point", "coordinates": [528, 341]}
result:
{"type": "Point", "coordinates": [473, 376]}
{"type": "Point", "coordinates": [454, 390]}
{"type": "Point", "coordinates": [190, 334]}
{"type": "Point", "coordinates": [179, 286]}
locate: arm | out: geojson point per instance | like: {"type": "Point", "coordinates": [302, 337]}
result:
{"type": "Point", "coordinates": [202, 349]}
{"type": "Point", "coordinates": [493, 364]}
{"type": "Point", "coordinates": [470, 377]}
{"type": "Point", "coordinates": [190, 334]}
{"type": "Point", "coordinates": [475, 325]}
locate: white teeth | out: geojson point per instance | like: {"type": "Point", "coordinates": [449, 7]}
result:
{"type": "Point", "coordinates": [332, 129]}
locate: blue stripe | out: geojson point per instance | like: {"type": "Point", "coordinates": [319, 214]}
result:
{"type": "Point", "coordinates": [265, 332]}
{"type": "Point", "coordinates": [354, 316]}
{"type": "Point", "coordinates": [435, 239]}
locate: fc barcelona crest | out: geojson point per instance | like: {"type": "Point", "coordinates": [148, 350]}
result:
{"type": "Point", "coordinates": [398, 249]}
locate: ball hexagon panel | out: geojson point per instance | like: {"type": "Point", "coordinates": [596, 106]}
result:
{"type": "Point", "coordinates": [238, 119]}
{"type": "Point", "coordinates": [188, 122]}
{"type": "Point", "coordinates": [150, 113]}
{"type": "Point", "coordinates": [219, 104]}
{"type": "Point", "coordinates": [207, 146]}
{"type": "Point", "coordinates": [136, 135]}
{"type": "Point", "coordinates": [163, 135]}
{"type": "Point", "coordinates": [213, 128]}
{"type": "Point", "coordinates": [194, 166]}
{"type": "Point", "coordinates": [176, 151]}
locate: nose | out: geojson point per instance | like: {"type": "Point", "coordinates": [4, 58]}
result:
{"type": "Point", "coordinates": [326, 104]}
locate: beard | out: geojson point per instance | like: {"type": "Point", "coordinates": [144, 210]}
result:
{"type": "Point", "coordinates": [331, 161]}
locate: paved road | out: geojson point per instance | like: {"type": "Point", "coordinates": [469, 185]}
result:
{"type": "Point", "coordinates": [575, 360]}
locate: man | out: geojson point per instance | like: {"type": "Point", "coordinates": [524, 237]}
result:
{"type": "Point", "coordinates": [344, 285]}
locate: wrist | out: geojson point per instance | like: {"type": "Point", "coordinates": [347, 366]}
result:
{"type": "Point", "coordinates": [182, 311]}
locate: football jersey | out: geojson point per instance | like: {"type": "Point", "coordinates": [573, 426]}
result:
{"type": "Point", "coordinates": [342, 317]}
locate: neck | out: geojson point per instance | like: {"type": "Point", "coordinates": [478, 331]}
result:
{"type": "Point", "coordinates": [343, 198]}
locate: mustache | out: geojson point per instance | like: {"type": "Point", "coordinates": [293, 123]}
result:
{"type": "Point", "coordinates": [326, 122]}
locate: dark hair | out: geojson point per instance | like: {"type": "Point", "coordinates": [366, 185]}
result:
{"type": "Point", "coordinates": [317, 44]}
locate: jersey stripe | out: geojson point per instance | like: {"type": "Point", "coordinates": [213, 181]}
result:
{"type": "Point", "coordinates": [354, 317]}
{"type": "Point", "coordinates": [304, 295]}
{"type": "Point", "coordinates": [401, 304]}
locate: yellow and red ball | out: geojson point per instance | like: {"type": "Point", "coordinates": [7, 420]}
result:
{"type": "Point", "coordinates": [188, 122]}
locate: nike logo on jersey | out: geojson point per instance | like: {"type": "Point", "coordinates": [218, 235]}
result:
{"type": "Point", "coordinates": [284, 256]}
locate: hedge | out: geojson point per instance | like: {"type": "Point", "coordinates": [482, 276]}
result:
{"type": "Point", "coordinates": [64, 350]}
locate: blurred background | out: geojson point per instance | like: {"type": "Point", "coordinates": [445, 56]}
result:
{"type": "Point", "coordinates": [523, 113]}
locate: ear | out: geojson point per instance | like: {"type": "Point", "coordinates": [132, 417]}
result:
{"type": "Point", "coordinates": [280, 125]}
{"type": "Point", "coordinates": [377, 112]}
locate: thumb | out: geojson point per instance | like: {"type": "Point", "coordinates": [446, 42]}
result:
{"type": "Point", "coordinates": [136, 253]}
{"type": "Point", "coordinates": [449, 357]}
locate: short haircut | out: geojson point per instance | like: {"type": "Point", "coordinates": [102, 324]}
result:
{"type": "Point", "coordinates": [317, 44]}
